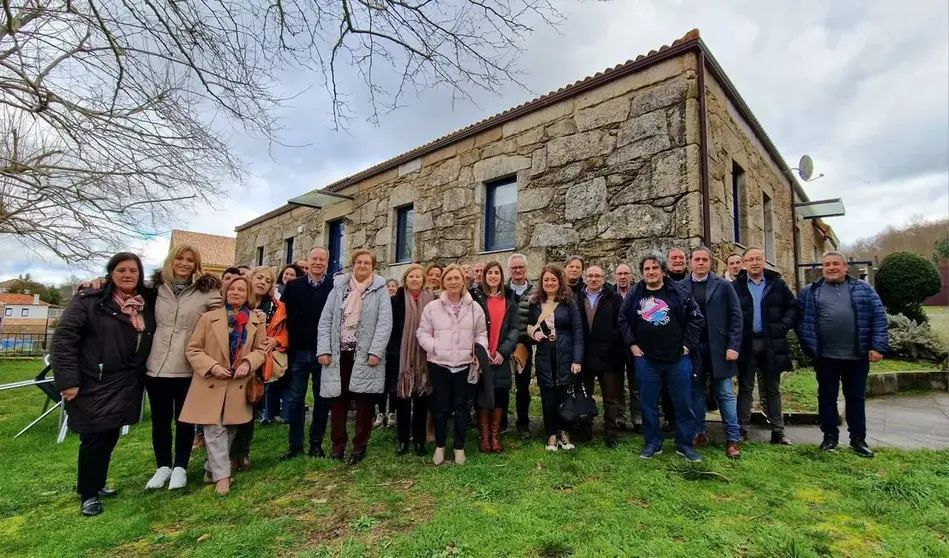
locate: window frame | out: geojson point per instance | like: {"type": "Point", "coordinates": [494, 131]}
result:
{"type": "Point", "coordinates": [8, 312]}
{"type": "Point", "coordinates": [738, 185]}
{"type": "Point", "coordinates": [404, 231]}
{"type": "Point", "coordinates": [490, 189]}
{"type": "Point", "coordinates": [767, 226]}
{"type": "Point", "coordinates": [288, 249]}
{"type": "Point", "coordinates": [260, 256]}
{"type": "Point", "coordinates": [335, 228]}
{"type": "Point", "coordinates": [24, 312]}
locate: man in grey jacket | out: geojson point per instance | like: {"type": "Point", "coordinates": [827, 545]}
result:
{"type": "Point", "coordinates": [521, 290]}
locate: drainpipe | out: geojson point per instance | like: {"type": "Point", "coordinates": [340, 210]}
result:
{"type": "Point", "coordinates": [703, 149]}
{"type": "Point", "coordinates": [795, 236]}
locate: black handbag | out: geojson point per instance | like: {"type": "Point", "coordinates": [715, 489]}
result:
{"type": "Point", "coordinates": [578, 407]}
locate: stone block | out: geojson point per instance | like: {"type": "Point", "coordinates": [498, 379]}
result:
{"type": "Point", "coordinates": [383, 237]}
{"type": "Point", "coordinates": [586, 199]}
{"type": "Point", "coordinates": [442, 221]}
{"type": "Point", "coordinates": [532, 199]}
{"type": "Point", "coordinates": [530, 137]}
{"type": "Point", "coordinates": [499, 148]}
{"type": "Point", "coordinates": [561, 128]}
{"type": "Point", "coordinates": [539, 161]}
{"type": "Point", "coordinates": [645, 147]}
{"type": "Point", "coordinates": [499, 167]}
{"type": "Point", "coordinates": [659, 96]}
{"type": "Point", "coordinates": [578, 147]}
{"type": "Point", "coordinates": [456, 198]}
{"type": "Point", "coordinates": [488, 137]}
{"type": "Point", "coordinates": [603, 114]}
{"type": "Point", "coordinates": [550, 234]}
{"type": "Point", "coordinates": [422, 221]}
{"type": "Point", "coordinates": [462, 233]}
{"type": "Point", "coordinates": [470, 157]}
{"type": "Point", "coordinates": [403, 194]}
{"type": "Point", "coordinates": [410, 167]}
{"type": "Point", "coordinates": [643, 126]}
{"type": "Point", "coordinates": [359, 238]}
{"type": "Point", "coordinates": [636, 221]}
{"type": "Point", "coordinates": [445, 173]}
{"type": "Point", "coordinates": [538, 118]}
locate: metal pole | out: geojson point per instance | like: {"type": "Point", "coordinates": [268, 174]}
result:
{"type": "Point", "coordinates": [32, 424]}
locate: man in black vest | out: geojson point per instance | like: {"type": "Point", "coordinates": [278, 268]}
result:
{"type": "Point", "coordinates": [305, 298]}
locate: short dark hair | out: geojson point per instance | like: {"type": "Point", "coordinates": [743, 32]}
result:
{"type": "Point", "coordinates": [749, 249]}
{"type": "Point", "coordinates": [701, 249]}
{"type": "Point", "coordinates": [570, 260]}
{"type": "Point", "coordinates": [233, 271]}
{"type": "Point", "coordinates": [653, 256]}
{"type": "Point", "coordinates": [296, 269]}
{"type": "Point", "coordinates": [114, 262]}
{"type": "Point", "coordinates": [247, 267]}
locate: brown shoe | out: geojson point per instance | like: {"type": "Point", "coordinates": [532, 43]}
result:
{"type": "Point", "coordinates": [701, 441]}
{"type": "Point", "coordinates": [484, 429]}
{"type": "Point", "coordinates": [733, 451]}
{"type": "Point", "coordinates": [245, 463]}
{"type": "Point", "coordinates": [495, 426]}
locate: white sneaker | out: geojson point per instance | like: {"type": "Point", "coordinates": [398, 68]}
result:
{"type": "Point", "coordinates": [179, 478]}
{"type": "Point", "coordinates": [159, 479]}
{"type": "Point", "coordinates": [391, 420]}
{"type": "Point", "coordinates": [378, 421]}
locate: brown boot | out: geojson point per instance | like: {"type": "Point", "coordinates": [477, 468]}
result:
{"type": "Point", "coordinates": [496, 416]}
{"type": "Point", "coordinates": [429, 429]}
{"type": "Point", "coordinates": [484, 429]}
{"type": "Point", "coordinates": [733, 451]}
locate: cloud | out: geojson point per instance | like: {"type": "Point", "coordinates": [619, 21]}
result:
{"type": "Point", "coordinates": [861, 86]}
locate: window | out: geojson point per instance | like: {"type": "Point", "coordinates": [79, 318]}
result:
{"type": "Point", "coordinates": [738, 198]}
{"type": "Point", "coordinates": [260, 255]}
{"type": "Point", "coordinates": [767, 210]}
{"type": "Point", "coordinates": [288, 249]}
{"type": "Point", "coordinates": [24, 312]}
{"type": "Point", "coordinates": [500, 206]}
{"type": "Point", "coordinates": [336, 234]}
{"type": "Point", "coordinates": [403, 233]}
{"type": "Point", "coordinates": [8, 311]}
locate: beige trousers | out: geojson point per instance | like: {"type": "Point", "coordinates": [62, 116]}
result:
{"type": "Point", "coordinates": [218, 440]}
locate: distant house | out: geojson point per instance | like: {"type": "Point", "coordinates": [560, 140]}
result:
{"type": "Point", "coordinates": [217, 252]}
{"type": "Point", "coordinates": [23, 313]}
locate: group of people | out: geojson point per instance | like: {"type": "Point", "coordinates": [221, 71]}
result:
{"type": "Point", "coordinates": [442, 343]}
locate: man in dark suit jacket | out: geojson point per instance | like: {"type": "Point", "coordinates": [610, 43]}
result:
{"type": "Point", "coordinates": [719, 344]}
{"type": "Point", "coordinates": [603, 352]}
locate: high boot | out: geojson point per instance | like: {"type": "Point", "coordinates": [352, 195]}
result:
{"type": "Point", "coordinates": [497, 415]}
{"type": "Point", "coordinates": [484, 430]}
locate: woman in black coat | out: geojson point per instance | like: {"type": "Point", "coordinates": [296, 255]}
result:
{"type": "Point", "coordinates": [98, 353]}
{"type": "Point", "coordinates": [554, 324]}
{"type": "Point", "coordinates": [493, 392]}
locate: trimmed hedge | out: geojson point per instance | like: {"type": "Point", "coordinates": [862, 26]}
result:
{"type": "Point", "coordinates": [904, 281]}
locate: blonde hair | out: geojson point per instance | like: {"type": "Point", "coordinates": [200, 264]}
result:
{"type": "Point", "coordinates": [449, 269]}
{"type": "Point", "coordinates": [251, 295]}
{"type": "Point", "coordinates": [167, 267]}
{"type": "Point", "coordinates": [263, 269]}
{"type": "Point", "coordinates": [410, 269]}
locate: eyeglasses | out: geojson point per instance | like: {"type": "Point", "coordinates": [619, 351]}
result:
{"type": "Point", "coordinates": [515, 267]}
{"type": "Point", "coordinates": [755, 259]}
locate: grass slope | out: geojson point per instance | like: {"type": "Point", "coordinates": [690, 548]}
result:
{"type": "Point", "coordinates": [775, 502]}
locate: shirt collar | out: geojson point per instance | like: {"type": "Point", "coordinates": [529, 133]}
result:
{"type": "Point", "coordinates": [309, 279]}
{"type": "Point", "coordinates": [696, 280]}
{"type": "Point", "coordinates": [751, 282]}
{"type": "Point", "coordinates": [592, 294]}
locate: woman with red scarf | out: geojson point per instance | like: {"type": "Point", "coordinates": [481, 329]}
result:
{"type": "Point", "coordinates": [226, 348]}
{"type": "Point", "coordinates": [98, 355]}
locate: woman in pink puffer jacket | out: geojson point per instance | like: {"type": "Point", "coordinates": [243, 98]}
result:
{"type": "Point", "coordinates": [449, 328]}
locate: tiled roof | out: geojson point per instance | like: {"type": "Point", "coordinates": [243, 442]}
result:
{"type": "Point", "coordinates": [20, 300]}
{"type": "Point", "coordinates": [215, 250]}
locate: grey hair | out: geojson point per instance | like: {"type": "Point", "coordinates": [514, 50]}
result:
{"type": "Point", "coordinates": [701, 249]}
{"type": "Point", "coordinates": [514, 257]}
{"type": "Point", "coordinates": [671, 250]}
{"type": "Point", "coordinates": [570, 260]}
{"type": "Point", "coordinates": [834, 253]}
{"type": "Point", "coordinates": [655, 256]}
{"type": "Point", "coordinates": [749, 249]}
{"type": "Point", "coordinates": [318, 247]}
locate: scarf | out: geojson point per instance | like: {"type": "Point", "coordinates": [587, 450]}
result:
{"type": "Point", "coordinates": [131, 305]}
{"type": "Point", "coordinates": [237, 326]}
{"type": "Point", "coordinates": [352, 306]}
{"type": "Point", "coordinates": [178, 286]}
{"type": "Point", "coordinates": [413, 363]}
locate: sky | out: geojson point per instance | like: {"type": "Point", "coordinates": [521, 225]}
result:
{"type": "Point", "coordinates": [862, 86]}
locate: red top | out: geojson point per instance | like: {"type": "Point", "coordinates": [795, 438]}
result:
{"type": "Point", "coordinates": [496, 307]}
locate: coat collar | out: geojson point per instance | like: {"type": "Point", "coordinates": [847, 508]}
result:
{"type": "Point", "coordinates": [219, 327]}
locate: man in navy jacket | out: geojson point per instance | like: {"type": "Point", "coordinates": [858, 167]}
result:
{"type": "Point", "coordinates": [843, 329]}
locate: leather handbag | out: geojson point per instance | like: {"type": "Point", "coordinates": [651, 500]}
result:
{"type": "Point", "coordinates": [254, 390]}
{"type": "Point", "coordinates": [578, 407]}
{"type": "Point", "coordinates": [519, 358]}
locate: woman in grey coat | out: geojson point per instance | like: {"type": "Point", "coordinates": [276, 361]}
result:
{"type": "Point", "coordinates": [351, 344]}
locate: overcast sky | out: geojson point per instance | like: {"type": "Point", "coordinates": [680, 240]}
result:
{"type": "Point", "coordinates": [862, 86]}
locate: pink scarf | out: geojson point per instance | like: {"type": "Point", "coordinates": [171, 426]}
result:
{"type": "Point", "coordinates": [352, 306]}
{"type": "Point", "coordinates": [132, 306]}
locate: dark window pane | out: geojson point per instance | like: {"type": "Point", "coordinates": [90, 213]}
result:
{"type": "Point", "coordinates": [404, 226]}
{"type": "Point", "coordinates": [336, 234]}
{"type": "Point", "coordinates": [500, 219]}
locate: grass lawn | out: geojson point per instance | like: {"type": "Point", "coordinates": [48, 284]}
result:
{"type": "Point", "coordinates": [939, 320]}
{"type": "Point", "coordinates": [774, 502]}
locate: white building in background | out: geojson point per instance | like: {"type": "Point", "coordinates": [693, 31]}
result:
{"type": "Point", "coordinates": [23, 313]}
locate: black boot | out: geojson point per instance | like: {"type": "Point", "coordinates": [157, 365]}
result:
{"type": "Point", "coordinates": [778, 438]}
{"type": "Point", "coordinates": [861, 448]}
{"type": "Point", "coordinates": [356, 457]}
{"type": "Point", "coordinates": [829, 443]}
{"type": "Point", "coordinates": [316, 450]}
{"type": "Point", "coordinates": [291, 453]}
{"type": "Point", "coordinates": [420, 449]}
{"type": "Point", "coordinates": [91, 507]}
{"type": "Point", "coordinates": [403, 449]}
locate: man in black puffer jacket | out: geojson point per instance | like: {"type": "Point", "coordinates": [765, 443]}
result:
{"type": "Point", "coordinates": [521, 290]}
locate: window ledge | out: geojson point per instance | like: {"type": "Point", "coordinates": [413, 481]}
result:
{"type": "Point", "coordinates": [497, 251]}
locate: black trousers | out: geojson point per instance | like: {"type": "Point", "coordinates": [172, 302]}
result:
{"type": "Point", "coordinates": [411, 415]}
{"type": "Point", "coordinates": [550, 398]}
{"type": "Point", "coordinates": [522, 395]}
{"type": "Point", "coordinates": [95, 453]}
{"type": "Point", "coordinates": [244, 435]}
{"type": "Point", "coordinates": [166, 397]}
{"type": "Point", "coordinates": [450, 393]}
{"type": "Point", "coordinates": [387, 403]}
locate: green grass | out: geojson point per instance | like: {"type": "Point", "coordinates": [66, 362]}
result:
{"type": "Point", "coordinates": [774, 502]}
{"type": "Point", "coordinates": [939, 320]}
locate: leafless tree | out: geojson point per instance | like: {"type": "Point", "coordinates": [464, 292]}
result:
{"type": "Point", "coordinates": [116, 113]}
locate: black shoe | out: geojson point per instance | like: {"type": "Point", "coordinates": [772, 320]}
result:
{"type": "Point", "coordinates": [291, 453]}
{"type": "Point", "coordinates": [266, 422]}
{"type": "Point", "coordinates": [524, 430]}
{"type": "Point", "coordinates": [91, 507]}
{"type": "Point", "coordinates": [106, 492]}
{"type": "Point", "coordinates": [668, 426]}
{"type": "Point", "coordinates": [611, 442]}
{"type": "Point", "coordinates": [778, 438]}
{"type": "Point", "coordinates": [317, 451]}
{"type": "Point", "coordinates": [420, 449]}
{"type": "Point", "coordinates": [336, 456]}
{"type": "Point", "coordinates": [829, 444]}
{"type": "Point", "coordinates": [403, 448]}
{"type": "Point", "coordinates": [356, 457]}
{"type": "Point", "coordinates": [861, 448]}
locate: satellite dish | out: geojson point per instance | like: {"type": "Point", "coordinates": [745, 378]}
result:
{"type": "Point", "coordinates": [806, 168]}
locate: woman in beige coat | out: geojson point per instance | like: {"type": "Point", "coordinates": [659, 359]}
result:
{"type": "Point", "coordinates": [226, 348]}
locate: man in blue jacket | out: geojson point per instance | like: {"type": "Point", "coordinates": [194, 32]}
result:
{"type": "Point", "coordinates": [661, 325]}
{"type": "Point", "coordinates": [717, 357]}
{"type": "Point", "coordinates": [843, 329]}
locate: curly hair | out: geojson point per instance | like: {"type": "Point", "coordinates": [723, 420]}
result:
{"type": "Point", "coordinates": [564, 294]}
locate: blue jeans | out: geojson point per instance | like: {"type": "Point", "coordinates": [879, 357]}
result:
{"type": "Point", "coordinates": [277, 397]}
{"type": "Point", "coordinates": [651, 376]}
{"type": "Point", "coordinates": [303, 366]}
{"type": "Point", "coordinates": [852, 375]}
{"type": "Point", "coordinates": [727, 404]}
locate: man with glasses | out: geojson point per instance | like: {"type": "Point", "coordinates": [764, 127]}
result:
{"type": "Point", "coordinates": [521, 289]}
{"type": "Point", "coordinates": [769, 312]}
{"type": "Point", "coordinates": [623, 281]}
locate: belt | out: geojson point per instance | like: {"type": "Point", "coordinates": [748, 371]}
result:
{"type": "Point", "coordinates": [759, 336]}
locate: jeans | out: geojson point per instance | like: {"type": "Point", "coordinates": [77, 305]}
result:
{"type": "Point", "coordinates": [853, 375]}
{"type": "Point", "coordinates": [95, 453]}
{"type": "Point", "coordinates": [166, 396]}
{"type": "Point", "coordinates": [653, 375]}
{"type": "Point", "coordinates": [450, 393]}
{"type": "Point", "coordinates": [277, 399]}
{"type": "Point", "coordinates": [725, 395]}
{"type": "Point", "coordinates": [748, 367]}
{"type": "Point", "coordinates": [303, 366]}
{"type": "Point", "coordinates": [411, 414]}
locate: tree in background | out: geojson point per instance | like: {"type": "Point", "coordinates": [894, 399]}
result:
{"type": "Point", "coordinates": [904, 281]}
{"type": "Point", "coordinates": [24, 284]}
{"type": "Point", "coordinates": [116, 114]}
{"type": "Point", "coordinates": [929, 239]}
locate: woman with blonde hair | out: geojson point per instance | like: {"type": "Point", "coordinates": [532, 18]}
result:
{"type": "Point", "coordinates": [448, 331]}
{"type": "Point", "coordinates": [217, 398]}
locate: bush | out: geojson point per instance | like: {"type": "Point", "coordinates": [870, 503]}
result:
{"type": "Point", "coordinates": [798, 358]}
{"type": "Point", "coordinates": [904, 281]}
{"type": "Point", "coordinates": [914, 341]}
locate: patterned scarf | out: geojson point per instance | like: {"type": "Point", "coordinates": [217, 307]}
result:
{"type": "Point", "coordinates": [236, 323]}
{"type": "Point", "coordinates": [352, 306]}
{"type": "Point", "coordinates": [131, 305]}
{"type": "Point", "coordinates": [413, 364]}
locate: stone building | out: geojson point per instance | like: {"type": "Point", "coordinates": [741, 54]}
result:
{"type": "Point", "coordinates": [658, 152]}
